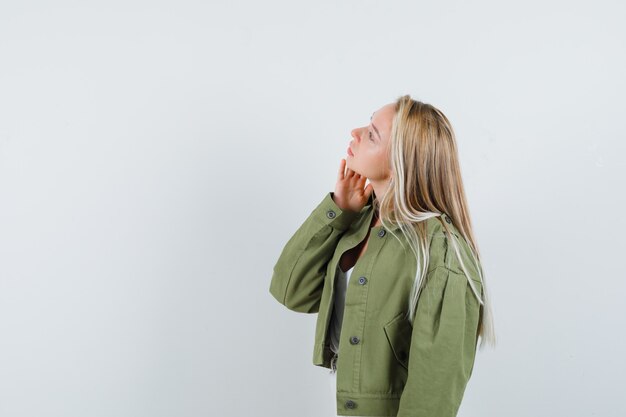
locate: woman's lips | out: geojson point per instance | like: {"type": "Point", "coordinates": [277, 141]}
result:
{"type": "Point", "coordinates": [350, 151]}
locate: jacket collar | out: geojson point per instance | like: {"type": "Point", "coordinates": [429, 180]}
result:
{"type": "Point", "coordinates": [369, 214]}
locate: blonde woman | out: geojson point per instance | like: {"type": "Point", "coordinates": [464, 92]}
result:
{"type": "Point", "coordinates": [393, 270]}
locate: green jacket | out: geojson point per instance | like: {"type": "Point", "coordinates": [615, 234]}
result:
{"type": "Point", "coordinates": [385, 365]}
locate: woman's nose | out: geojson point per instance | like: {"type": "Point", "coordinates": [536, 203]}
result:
{"type": "Point", "coordinates": [355, 134]}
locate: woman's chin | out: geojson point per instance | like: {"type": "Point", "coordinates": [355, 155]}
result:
{"type": "Point", "coordinates": [355, 171]}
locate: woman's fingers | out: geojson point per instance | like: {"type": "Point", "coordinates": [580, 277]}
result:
{"type": "Point", "coordinates": [342, 166]}
{"type": "Point", "coordinates": [354, 180]}
{"type": "Point", "coordinates": [346, 172]}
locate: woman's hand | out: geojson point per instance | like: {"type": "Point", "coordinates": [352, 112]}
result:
{"type": "Point", "coordinates": [349, 192]}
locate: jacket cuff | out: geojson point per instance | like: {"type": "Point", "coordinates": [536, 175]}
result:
{"type": "Point", "coordinates": [329, 213]}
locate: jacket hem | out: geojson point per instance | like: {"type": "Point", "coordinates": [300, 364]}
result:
{"type": "Point", "coordinates": [348, 404]}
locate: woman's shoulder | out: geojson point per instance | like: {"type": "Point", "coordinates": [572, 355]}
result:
{"type": "Point", "coordinates": [442, 251]}
{"type": "Point", "coordinates": [435, 227]}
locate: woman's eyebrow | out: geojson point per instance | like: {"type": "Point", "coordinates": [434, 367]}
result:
{"type": "Point", "coordinates": [375, 127]}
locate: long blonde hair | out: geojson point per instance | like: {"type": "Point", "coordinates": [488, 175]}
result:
{"type": "Point", "coordinates": [426, 182]}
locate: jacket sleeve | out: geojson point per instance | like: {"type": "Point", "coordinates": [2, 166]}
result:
{"type": "Point", "coordinates": [298, 275]}
{"type": "Point", "coordinates": [443, 346]}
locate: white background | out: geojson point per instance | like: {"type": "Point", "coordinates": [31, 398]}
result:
{"type": "Point", "coordinates": [156, 156]}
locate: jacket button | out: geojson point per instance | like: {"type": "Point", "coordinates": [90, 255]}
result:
{"type": "Point", "coordinates": [330, 214]}
{"type": "Point", "coordinates": [381, 233]}
{"type": "Point", "coordinates": [447, 219]}
{"type": "Point", "coordinates": [354, 340]}
{"type": "Point", "coordinates": [350, 404]}
{"type": "Point", "coordinates": [362, 280]}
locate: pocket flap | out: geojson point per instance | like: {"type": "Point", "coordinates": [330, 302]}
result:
{"type": "Point", "coordinates": [398, 332]}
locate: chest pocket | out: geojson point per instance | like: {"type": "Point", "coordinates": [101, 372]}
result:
{"type": "Point", "coordinates": [398, 331]}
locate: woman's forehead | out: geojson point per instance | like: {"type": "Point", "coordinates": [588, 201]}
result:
{"type": "Point", "coordinates": [383, 116]}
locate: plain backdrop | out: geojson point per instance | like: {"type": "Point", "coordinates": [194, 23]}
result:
{"type": "Point", "coordinates": [156, 156]}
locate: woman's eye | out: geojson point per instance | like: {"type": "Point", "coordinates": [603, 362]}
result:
{"type": "Point", "coordinates": [371, 136]}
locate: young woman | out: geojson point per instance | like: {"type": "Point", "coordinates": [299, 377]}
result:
{"type": "Point", "coordinates": [393, 270]}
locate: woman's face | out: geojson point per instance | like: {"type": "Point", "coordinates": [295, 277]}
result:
{"type": "Point", "coordinates": [370, 146]}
